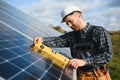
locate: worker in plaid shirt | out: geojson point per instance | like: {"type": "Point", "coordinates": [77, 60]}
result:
{"type": "Point", "coordinates": [90, 45]}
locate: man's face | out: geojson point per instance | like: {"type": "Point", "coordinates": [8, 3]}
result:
{"type": "Point", "coordinates": [73, 21]}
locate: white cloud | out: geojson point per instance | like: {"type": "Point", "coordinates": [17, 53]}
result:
{"type": "Point", "coordinates": [113, 11]}
{"type": "Point", "coordinates": [96, 11]}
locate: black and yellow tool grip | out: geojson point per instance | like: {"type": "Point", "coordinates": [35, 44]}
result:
{"type": "Point", "coordinates": [48, 53]}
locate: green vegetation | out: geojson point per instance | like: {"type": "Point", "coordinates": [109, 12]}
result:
{"type": "Point", "coordinates": [58, 28]}
{"type": "Point", "coordinates": [114, 65]}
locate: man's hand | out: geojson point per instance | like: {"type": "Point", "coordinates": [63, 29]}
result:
{"type": "Point", "coordinates": [38, 39]}
{"type": "Point", "coordinates": [75, 63]}
{"type": "Point", "coordinates": [69, 71]}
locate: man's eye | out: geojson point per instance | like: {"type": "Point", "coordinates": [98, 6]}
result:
{"type": "Point", "coordinates": [67, 23]}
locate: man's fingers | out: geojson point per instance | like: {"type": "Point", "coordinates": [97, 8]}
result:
{"type": "Point", "coordinates": [35, 40]}
{"type": "Point", "coordinates": [38, 39]}
{"type": "Point", "coordinates": [74, 63]}
{"type": "Point", "coordinates": [77, 62]}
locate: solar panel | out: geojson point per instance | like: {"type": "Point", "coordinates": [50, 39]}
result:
{"type": "Point", "coordinates": [20, 21]}
{"type": "Point", "coordinates": [17, 31]}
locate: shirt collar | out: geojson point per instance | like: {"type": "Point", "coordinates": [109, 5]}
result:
{"type": "Point", "coordinates": [86, 28]}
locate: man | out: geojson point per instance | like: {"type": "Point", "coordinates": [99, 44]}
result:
{"type": "Point", "coordinates": [90, 45]}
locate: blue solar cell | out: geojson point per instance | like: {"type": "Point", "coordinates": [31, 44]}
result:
{"type": "Point", "coordinates": [7, 70]}
{"type": "Point", "coordinates": [1, 60]}
{"type": "Point", "coordinates": [43, 64]}
{"type": "Point", "coordinates": [36, 71]}
{"type": "Point", "coordinates": [7, 54]}
{"type": "Point", "coordinates": [18, 42]}
{"type": "Point", "coordinates": [1, 37]}
{"type": "Point", "coordinates": [7, 44]}
{"type": "Point", "coordinates": [56, 71]}
{"type": "Point", "coordinates": [21, 62]}
{"type": "Point", "coordinates": [31, 58]}
{"type": "Point", "coordinates": [25, 48]}
{"type": "Point", "coordinates": [49, 76]}
{"type": "Point", "coordinates": [1, 47]}
{"type": "Point", "coordinates": [18, 51]}
{"type": "Point", "coordinates": [24, 76]}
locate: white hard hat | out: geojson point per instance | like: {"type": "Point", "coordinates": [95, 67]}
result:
{"type": "Point", "coordinates": [68, 10]}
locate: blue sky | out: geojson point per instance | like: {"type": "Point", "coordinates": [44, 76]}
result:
{"type": "Point", "coordinates": [105, 13]}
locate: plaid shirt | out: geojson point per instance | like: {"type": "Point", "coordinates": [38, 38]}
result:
{"type": "Point", "coordinates": [101, 39]}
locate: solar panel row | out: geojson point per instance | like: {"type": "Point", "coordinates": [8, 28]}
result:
{"type": "Point", "coordinates": [16, 33]}
{"type": "Point", "coordinates": [15, 60]}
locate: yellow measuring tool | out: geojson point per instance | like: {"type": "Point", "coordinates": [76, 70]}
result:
{"type": "Point", "coordinates": [48, 53]}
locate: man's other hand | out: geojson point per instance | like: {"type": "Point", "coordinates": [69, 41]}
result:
{"type": "Point", "coordinates": [75, 63]}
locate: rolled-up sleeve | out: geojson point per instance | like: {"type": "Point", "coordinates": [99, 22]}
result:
{"type": "Point", "coordinates": [60, 41]}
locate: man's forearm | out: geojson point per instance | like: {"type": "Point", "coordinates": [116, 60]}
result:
{"type": "Point", "coordinates": [53, 42]}
{"type": "Point", "coordinates": [99, 59]}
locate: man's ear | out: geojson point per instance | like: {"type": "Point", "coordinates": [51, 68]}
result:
{"type": "Point", "coordinates": [78, 14]}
